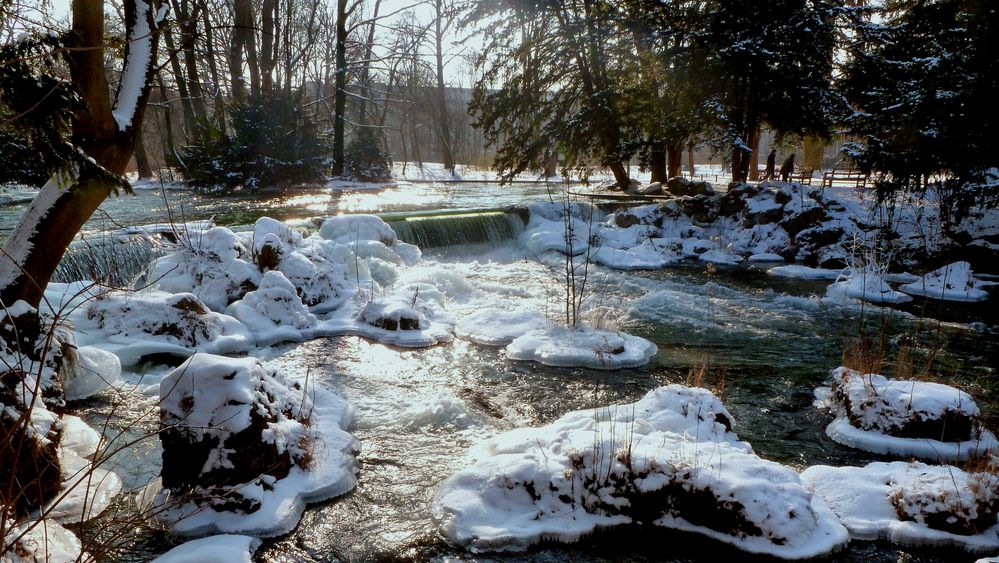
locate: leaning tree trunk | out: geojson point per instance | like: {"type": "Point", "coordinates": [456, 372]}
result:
{"type": "Point", "coordinates": [104, 131]}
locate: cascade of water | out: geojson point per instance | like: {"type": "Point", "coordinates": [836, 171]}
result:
{"type": "Point", "coordinates": [110, 260]}
{"type": "Point", "coordinates": [458, 229]}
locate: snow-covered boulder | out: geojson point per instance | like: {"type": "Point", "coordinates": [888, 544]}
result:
{"type": "Point", "coordinates": [244, 448]}
{"type": "Point", "coordinates": [865, 284]}
{"type": "Point", "coordinates": [274, 312]}
{"type": "Point", "coordinates": [912, 503]}
{"type": "Point", "coordinates": [412, 317]}
{"type": "Point", "coordinates": [352, 228]}
{"type": "Point", "coordinates": [804, 272]}
{"type": "Point", "coordinates": [904, 417]}
{"type": "Point", "coordinates": [155, 325]}
{"type": "Point", "coordinates": [223, 548]}
{"type": "Point", "coordinates": [670, 460]}
{"type": "Point", "coordinates": [954, 282]}
{"type": "Point", "coordinates": [214, 265]}
{"type": "Point", "coordinates": [582, 346]}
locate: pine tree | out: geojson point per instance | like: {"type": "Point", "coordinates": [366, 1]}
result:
{"type": "Point", "coordinates": [923, 84]}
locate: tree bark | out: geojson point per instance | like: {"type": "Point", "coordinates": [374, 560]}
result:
{"type": "Point", "coordinates": [34, 248]}
{"type": "Point", "coordinates": [142, 159]}
{"type": "Point", "coordinates": [443, 122]}
{"type": "Point", "coordinates": [674, 157]}
{"type": "Point", "coordinates": [690, 160]}
{"type": "Point", "coordinates": [754, 157]}
{"type": "Point", "coordinates": [267, 45]}
{"type": "Point", "coordinates": [814, 152]}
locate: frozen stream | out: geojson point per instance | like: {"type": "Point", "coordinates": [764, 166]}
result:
{"type": "Point", "coordinates": [766, 342]}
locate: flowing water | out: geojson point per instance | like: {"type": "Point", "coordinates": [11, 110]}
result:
{"type": "Point", "coordinates": [764, 343]}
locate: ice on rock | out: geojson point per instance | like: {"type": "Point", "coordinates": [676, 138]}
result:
{"type": "Point", "coordinates": [865, 284]}
{"type": "Point", "coordinates": [90, 371]}
{"type": "Point", "coordinates": [954, 282]}
{"type": "Point", "coordinates": [720, 256]}
{"type": "Point", "coordinates": [499, 327]}
{"type": "Point", "coordinates": [152, 323]}
{"type": "Point", "coordinates": [670, 460]}
{"type": "Point", "coordinates": [650, 254]}
{"type": "Point", "coordinates": [224, 548]}
{"type": "Point", "coordinates": [804, 272]}
{"type": "Point", "coordinates": [912, 503]}
{"type": "Point", "coordinates": [582, 346]}
{"type": "Point", "coordinates": [48, 542]}
{"type": "Point", "coordinates": [254, 446]}
{"type": "Point", "coordinates": [904, 417]}
{"type": "Point", "coordinates": [274, 312]}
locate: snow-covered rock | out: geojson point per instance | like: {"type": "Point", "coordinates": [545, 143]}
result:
{"type": "Point", "coordinates": [581, 346]}
{"type": "Point", "coordinates": [274, 312]}
{"type": "Point", "coordinates": [912, 503]}
{"type": "Point", "coordinates": [670, 460]}
{"type": "Point", "coordinates": [224, 548]}
{"type": "Point", "coordinates": [152, 324]}
{"type": "Point", "coordinates": [244, 449]}
{"type": "Point", "coordinates": [904, 417]}
{"type": "Point", "coordinates": [954, 282]}
{"type": "Point", "coordinates": [865, 284]}
{"type": "Point", "coordinates": [412, 317]}
{"type": "Point", "coordinates": [804, 272]}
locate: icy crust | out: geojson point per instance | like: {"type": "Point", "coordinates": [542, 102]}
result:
{"type": "Point", "coordinates": [225, 548]}
{"type": "Point", "coordinates": [136, 325]}
{"type": "Point", "coordinates": [911, 503]}
{"type": "Point", "coordinates": [210, 398]}
{"type": "Point", "coordinates": [954, 282]}
{"type": "Point", "coordinates": [804, 272]}
{"type": "Point", "coordinates": [499, 327]}
{"type": "Point", "coordinates": [668, 460]}
{"type": "Point", "coordinates": [903, 417]}
{"type": "Point", "coordinates": [47, 542]}
{"type": "Point", "coordinates": [865, 284]}
{"type": "Point", "coordinates": [87, 488]}
{"type": "Point", "coordinates": [582, 346]}
{"type": "Point", "coordinates": [86, 371]}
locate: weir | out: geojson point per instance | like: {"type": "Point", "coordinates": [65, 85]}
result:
{"type": "Point", "coordinates": [110, 260]}
{"type": "Point", "coordinates": [443, 230]}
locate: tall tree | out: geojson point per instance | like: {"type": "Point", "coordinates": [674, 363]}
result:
{"type": "Point", "coordinates": [102, 130]}
{"type": "Point", "coordinates": [923, 84]}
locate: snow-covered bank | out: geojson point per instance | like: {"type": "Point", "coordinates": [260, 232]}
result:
{"type": "Point", "coordinates": [670, 460]}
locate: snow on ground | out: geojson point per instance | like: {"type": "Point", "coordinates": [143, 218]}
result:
{"type": "Point", "coordinates": [904, 417]}
{"type": "Point", "coordinates": [581, 346]}
{"type": "Point", "coordinates": [224, 548]}
{"type": "Point", "coordinates": [911, 503]}
{"type": "Point", "coordinates": [953, 282]}
{"type": "Point", "coordinates": [202, 396]}
{"type": "Point", "coordinates": [670, 460]}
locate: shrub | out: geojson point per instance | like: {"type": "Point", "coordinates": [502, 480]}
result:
{"type": "Point", "coordinates": [365, 160]}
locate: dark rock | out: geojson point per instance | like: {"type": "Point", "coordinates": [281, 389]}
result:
{"type": "Point", "coordinates": [680, 186]}
{"type": "Point", "coordinates": [30, 473]}
{"type": "Point", "coordinates": [794, 224]}
{"type": "Point", "coordinates": [625, 220]}
{"type": "Point", "coordinates": [816, 237]}
{"type": "Point", "coordinates": [701, 209]}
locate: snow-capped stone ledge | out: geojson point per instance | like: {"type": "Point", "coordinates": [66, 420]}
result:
{"type": "Point", "coordinates": [225, 548]}
{"type": "Point", "coordinates": [582, 346]}
{"type": "Point", "coordinates": [912, 503]}
{"type": "Point", "coordinates": [670, 460]}
{"type": "Point", "coordinates": [904, 418]}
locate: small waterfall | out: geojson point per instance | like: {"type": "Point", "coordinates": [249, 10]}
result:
{"type": "Point", "coordinates": [110, 260]}
{"type": "Point", "coordinates": [436, 231]}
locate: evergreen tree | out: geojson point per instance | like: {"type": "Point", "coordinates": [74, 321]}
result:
{"type": "Point", "coordinates": [765, 62]}
{"type": "Point", "coordinates": [272, 143]}
{"type": "Point", "coordinates": [923, 84]}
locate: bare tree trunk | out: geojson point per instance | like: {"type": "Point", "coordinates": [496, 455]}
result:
{"type": "Point", "coordinates": [815, 147]}
{"type": "Point", "coordinates": [178, 73]}
{"type": "Point", "coordinates": [443, 122]}
{"type": "Point", "coordinates": [141, 158]}
{"type": "Point", "coordinates": [267, 45]}
{"type": "Point", "coordinates": [365, 84]}
{"type": "Point", "coordinates": [690, 160]}
{"type": "Point", "coordinates": [754, 157]}
{"type": "Point", "coordinates": [104, 131]}
{"type": "Point", "coordinates": [620, 174]}
{"type": "Point", "coordinates": [340, 95]}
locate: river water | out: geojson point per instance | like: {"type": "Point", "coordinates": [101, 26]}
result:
{"type": "Point", "coordinates": [763, 343]}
